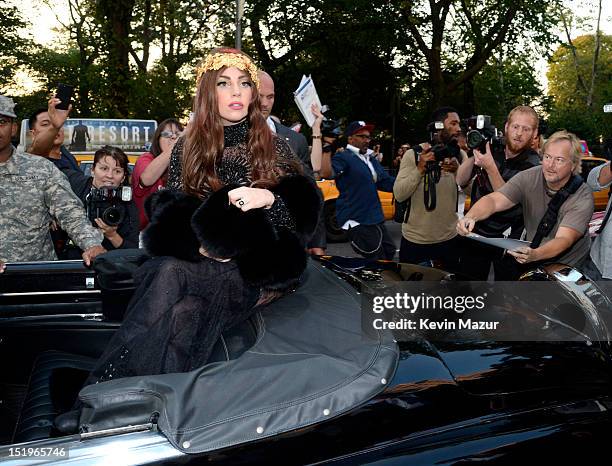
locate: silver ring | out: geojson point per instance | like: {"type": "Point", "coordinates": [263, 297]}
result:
{"type": "Point", "coordinates": [240, 203]}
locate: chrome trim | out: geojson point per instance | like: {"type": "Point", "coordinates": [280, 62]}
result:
{"type": "Point", "coordinates": [94, 316]}
{"type": "Point", "coordinates": [66, 261]}
{"type": "Point", "coordinates": [134, 448]}
{"type": "Point", "coordinates": [51, 293]}
{"type": "Point", "coordinates": [116, 431]}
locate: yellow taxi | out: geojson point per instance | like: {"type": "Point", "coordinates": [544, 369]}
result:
{"type": "Point", "coordinates": [330, 194]}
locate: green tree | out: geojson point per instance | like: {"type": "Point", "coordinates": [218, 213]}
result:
{"type": "Point", "coordinates": [14, 49]}
{"type": "Point", "coordinates": [571, 108]}
{"type": "Point", "coordinates": [464, 34]}
{"type": "Point", "coordinates": [501, 85]}
{"type": "Point", "coordinates": [406, 57]}
{"type": "Point", "coordinates": [133, 59]}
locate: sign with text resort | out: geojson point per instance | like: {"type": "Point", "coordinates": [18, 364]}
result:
{"type": "Point", "coordinates": [87, 135]}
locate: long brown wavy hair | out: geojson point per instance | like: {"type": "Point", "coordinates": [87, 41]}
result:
{"type": "Point", "coordinates": [204, 142]}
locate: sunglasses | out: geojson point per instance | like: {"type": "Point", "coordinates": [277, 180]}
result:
{"type": "Point", "coordinates": [169, 134]}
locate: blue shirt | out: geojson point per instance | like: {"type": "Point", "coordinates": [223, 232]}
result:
{"type": "Point", "coordinates": [67, 160]}
{"type": "Point", "coordinates": [358, 198]}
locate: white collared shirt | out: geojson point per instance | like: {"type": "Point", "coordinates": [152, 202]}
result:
{"type": "Point", "coordinates": [270, 122]}
{"type": "Point", "coordinates": [366, 159]}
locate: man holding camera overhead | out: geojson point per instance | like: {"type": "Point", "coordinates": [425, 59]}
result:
{"type": "Point", "coordinates": [426, 180]}
{"type": "Point", "coordinates": [488, 171]}
{"type": "Point", "coordinates": [32, 190]}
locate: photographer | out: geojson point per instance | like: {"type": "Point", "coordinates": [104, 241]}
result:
{"type": "Point", "coordinates": [110, 171]}
{"type": "Point", "coordinates": [426, 179]}
{"type": "Point", "coordinates": [557, 206]}
{"type": "Point", "coordinates": [488, 171]}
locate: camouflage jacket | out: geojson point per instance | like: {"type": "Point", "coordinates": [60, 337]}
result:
{"type": "Point", "coordinates": [32, 192]}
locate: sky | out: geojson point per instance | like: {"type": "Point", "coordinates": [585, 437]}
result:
{"type": "Point", "coordinates": [45, 22]}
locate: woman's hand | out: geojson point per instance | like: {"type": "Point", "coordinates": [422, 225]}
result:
{"type": "Point", "coordinates": [110, 232]}
{"type": "Point", "coordinates": [316, 126]}
{"type": "Point", "coordinates": [251, 198]}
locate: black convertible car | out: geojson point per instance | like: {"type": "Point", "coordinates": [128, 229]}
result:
{"type": "Point", "coordinates": [304, 381]}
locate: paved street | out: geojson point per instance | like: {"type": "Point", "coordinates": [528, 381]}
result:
{"type": "Point", "coordinates": [344, 249]}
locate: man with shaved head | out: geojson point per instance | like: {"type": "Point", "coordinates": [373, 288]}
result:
{"type": "Point", "coordinates": [298, 144]}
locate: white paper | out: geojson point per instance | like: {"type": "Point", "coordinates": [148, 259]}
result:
{"type": "Point", "coordinates": [504, 243]}
{"type": "Point", "coordinates": [305, 96]}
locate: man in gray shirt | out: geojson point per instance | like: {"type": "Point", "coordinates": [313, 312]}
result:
{"type": "Point", "coordinates": [599, 264]}
{"type": "Point", "coordinates": [568, 242]}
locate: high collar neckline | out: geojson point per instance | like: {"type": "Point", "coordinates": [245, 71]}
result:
{"type": "Point", "coordinates": [235, 134]}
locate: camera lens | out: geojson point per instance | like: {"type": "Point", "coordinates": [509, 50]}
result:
{"type": "Point", "coordinates": [474, 139]}
{"type": "Point", "coordinates": [112, 216]}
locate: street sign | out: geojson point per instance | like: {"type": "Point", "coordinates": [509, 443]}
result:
{"type": "Point", "coordinates": [608, 108]}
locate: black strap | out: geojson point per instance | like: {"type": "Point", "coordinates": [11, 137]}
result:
{"type": "Point", "coordinates": [605, 220]}
{"type": "Point", "coordinates": [552, 213]}
{"type": "Point", "coordinates": [403, 208]}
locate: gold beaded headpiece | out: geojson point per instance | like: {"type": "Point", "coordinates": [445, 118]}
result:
{"type": "Point", "coordinates": [216, 61]}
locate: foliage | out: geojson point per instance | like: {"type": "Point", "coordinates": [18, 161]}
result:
{"type": "Point", "coordinates": [570, 108]}
{"type": "Point", "coordinates": [385, 62]}
{"type": "Point", "coordinates": [502, 85]}
{"type": "Point", "coordinates": [14, 49]}
{"type": "Point", "coordinates": [392, 62]}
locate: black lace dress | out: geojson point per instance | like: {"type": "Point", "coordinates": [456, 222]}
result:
{"type": "Point", "coordinates": [181, 307]}
{"type": "Point", "coordinates": [235, 167]}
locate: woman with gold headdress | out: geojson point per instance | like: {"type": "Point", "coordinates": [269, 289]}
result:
{"type": "Point", "coordinates": [227, 236]}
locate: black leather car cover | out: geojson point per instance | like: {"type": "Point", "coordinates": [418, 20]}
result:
{"type": "Point", "coordinates": [311, 362]}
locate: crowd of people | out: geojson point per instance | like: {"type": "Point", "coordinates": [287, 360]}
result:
{"type": "Point", "coordinates": [228, 207]}
{"type": "Point", "coordinates": [521, 187]}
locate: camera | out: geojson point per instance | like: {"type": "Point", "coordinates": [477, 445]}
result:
{"type": "Point", "coordinates": [446, 151]}
{"type": "Point", "coordinates": [478, 131]}
{"type": "Point", "coordinates": [108, 204]}
{"type": "Point", "coordinates": [330, 127]}
{"type": "Point", "coordinates": [441, 150]}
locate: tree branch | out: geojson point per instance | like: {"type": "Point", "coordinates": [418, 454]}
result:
{"type": "Point", "coordinates": [595, 59]}
{"type": "Point", "coordinates": [480, 57]}
{"type": "Point", "coordinates": [573, 48]}
{"type": "Point", "coordinates": [414, 32]}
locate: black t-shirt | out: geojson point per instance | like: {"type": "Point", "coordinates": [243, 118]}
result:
{"type": "Point", "coordinates": [499, 222]}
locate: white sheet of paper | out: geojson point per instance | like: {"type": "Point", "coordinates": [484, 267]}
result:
{"type": "Point", "coordinates": [504, 243]}
{"type": "Point", "coordinates": [305, 96]}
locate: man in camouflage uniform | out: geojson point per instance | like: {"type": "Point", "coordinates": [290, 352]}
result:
{"type": "Point", "coordinates": [32, 190]}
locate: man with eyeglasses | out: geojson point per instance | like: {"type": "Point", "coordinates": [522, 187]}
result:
{"type": "Point", "coordinates": [487, 172]}
{"type": "Point", "coordinates": [32, 190]}
{"type": "Point", "coordinates": [567, 239]}
{"type": "Point", "coordinates": [359, 176]}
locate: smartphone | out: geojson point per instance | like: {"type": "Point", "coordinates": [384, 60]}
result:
{"type": "Point", "coordinates": [64, 93]}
